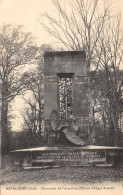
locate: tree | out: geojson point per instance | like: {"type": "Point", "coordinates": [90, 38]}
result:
{"type": "Point", "coordinates": [16, 50]}
{"type": "Point", "coordinates": [109, 82]}
{"type": "Point", "coordinates": [34, 84]}
{"type": "Point", "coordinates": [95, 29]}
{"type": "Point", "coordinates": [108, 105]}
{"type": "Point", "coordinates": [31, 125]}
{"type": "Point", "coordinates": [79, 28]}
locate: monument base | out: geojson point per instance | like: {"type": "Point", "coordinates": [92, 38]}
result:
{"type": "Point", "coordinates": [68, 156]}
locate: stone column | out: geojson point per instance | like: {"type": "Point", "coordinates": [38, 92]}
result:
{"type": "Point", "coordinates": [50, 103]}
{"type": "Point", "coordinates": [80, 106]}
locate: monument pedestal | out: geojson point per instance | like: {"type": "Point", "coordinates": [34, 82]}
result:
{"type": "Point", "coordinates": [69, 156]}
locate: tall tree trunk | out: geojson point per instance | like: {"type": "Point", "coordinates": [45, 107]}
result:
{"type": "Point", "coordinates": [104, 129]}
{"type": "Point", "coordinates": [40, 120]}
{"type": "Point", "coordinates": [115, 120]}
{"type": "Point", "coordinates": [4, 121]}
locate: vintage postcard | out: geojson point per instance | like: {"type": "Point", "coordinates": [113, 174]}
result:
{"type": "Point", "coordinates": [61, 100]}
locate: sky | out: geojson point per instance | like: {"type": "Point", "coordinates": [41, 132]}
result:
{"type": "Point", "coordinates": [27, 13]}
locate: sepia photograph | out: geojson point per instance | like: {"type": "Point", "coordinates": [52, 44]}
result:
{"type": "Point", "coordinates": [61, 97]}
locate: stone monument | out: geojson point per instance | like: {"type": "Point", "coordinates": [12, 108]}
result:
{"type": "Point", "coordinates": [66, 118]}
{"type": "Point", "coordinates": [66, 91]}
